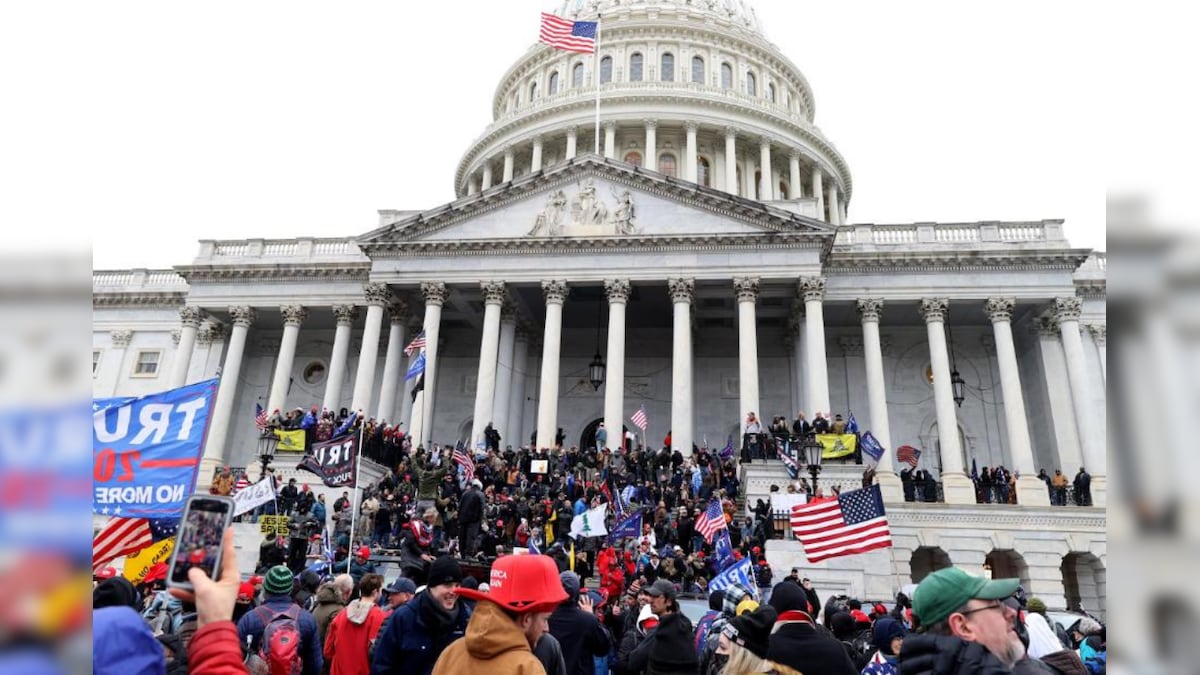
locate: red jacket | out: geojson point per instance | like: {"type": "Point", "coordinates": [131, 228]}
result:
{"type": "Point", "coordinates": [350, 636]}
{"type": "Point", "coordinates": [214, 650]}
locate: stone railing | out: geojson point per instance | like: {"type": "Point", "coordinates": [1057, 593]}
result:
{"type": "Point", "coordinates": [300, 249]}
{"type": "Point", "coordinates": [139, 280]}
{"type": "Point", "coordinates": [870, 235]}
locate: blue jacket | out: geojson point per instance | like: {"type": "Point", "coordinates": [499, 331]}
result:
{"type": "Point", "coordinates": [251, 626]}
{"type": "Point", "coordinates": [122, 644]}
{"type": "Point", "coordinates": [406, 646]}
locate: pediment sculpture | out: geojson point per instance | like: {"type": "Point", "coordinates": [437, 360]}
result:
{"type": "Point", "coordinates": [586, 213]}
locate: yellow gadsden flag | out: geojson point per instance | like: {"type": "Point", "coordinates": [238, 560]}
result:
{"type": "Point", "coordinates": [837, 445]}
{"type": "Point", "coordinates": [139, 563]}
{"type": "Point", "coordinates": [290, 441]}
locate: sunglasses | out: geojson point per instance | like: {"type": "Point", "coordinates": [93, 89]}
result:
{"type": "Point", "coordinates": [998, 605]}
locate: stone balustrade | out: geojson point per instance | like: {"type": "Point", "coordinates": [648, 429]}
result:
{"type": "Point", "coordinates": [869, 236]}
{"type": "Point", "coordinates": [139, 280]}
{"type": "Point", "coordinates": [301, 249]}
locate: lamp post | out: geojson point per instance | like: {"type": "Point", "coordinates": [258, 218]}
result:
{"type": "Point", "coordinates": [267, 443]}
{"type": "Point", "coordinates": [813, 451]}
{"type": "Point", "coordinates": [596, 367]}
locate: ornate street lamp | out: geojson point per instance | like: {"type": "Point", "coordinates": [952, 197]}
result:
{"type": "Point", "coordinates": [958, 385]}
{"type": "Point", "coordinates": [813, 454]}
{"type": "Point", "coordinates": [596, 367]}
{"type": "Point", "coordinates": [267, 443]}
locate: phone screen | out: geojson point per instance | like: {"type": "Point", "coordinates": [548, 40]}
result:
{"type": "Point", "coordinates": [198, 543]}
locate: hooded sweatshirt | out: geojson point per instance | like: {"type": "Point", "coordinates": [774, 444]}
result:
{"type": "Point", "coordinates": [350, 637]}
{"type": "Point", "coordinates": [329, 604]}
{"type": "Point", "coordinates": [493, 644]}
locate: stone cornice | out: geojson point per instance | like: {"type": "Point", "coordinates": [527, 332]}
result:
{"type": "Point", "coordinates": [1091, 289]}
{"type": "Point", "coordinates": [594, 245]}
{"type": "Point", "coordinates": [139, 299]}
{"type": "Point", "coordinates": [278, 272]}
{"type": "Point", "coordinates": [1026, 517]}
{"type": "Point", "coordinates": [968, 260]}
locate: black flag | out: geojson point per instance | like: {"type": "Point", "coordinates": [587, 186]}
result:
{"type": "Point", "coordinates": [334, 461]}
{"type": "Point", "coordinates": [419, 386]}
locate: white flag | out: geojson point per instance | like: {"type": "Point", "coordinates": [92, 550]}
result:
{"type": "Point", "coordinates": [590, 523]}
{"type": "Point", "coordinates": [253, 496]}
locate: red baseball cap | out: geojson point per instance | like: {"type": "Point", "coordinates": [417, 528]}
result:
{"type": "Point", "coordinates": [106, 572]}
{"type": "Point", "coordinates": [157, 572]}
{"type": "Point", "coordinates": [364, 552]}
{"type": "Point", "coordinates": [256, 580]}
{"type": "Point", "coordinates": [522, 583]}
{"type": "Point", "coordinates": [245, 592]}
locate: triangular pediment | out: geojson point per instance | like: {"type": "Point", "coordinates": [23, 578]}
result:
{"type": "Point", "coordinates": [592, 198]}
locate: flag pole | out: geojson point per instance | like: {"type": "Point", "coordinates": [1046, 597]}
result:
{"type": "Point", "coordinates": [354, 491]}
{"type": "Point", "coordinates": [596, 74]}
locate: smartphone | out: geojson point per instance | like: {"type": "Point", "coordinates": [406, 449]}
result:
{"type": "Point", "coordinates": [199, 540]}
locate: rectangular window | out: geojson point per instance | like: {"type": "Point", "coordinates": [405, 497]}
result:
{"type": "Point", "coordinates": [147, 363]}
{"type": "Point", "coordinates": [96, 361]}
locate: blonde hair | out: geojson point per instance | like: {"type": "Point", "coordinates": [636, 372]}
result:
{"type": "Point", "coordinates": [742, 661]}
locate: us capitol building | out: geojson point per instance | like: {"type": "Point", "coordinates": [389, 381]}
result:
{"type": "Point", "coordinates": [703, 265]}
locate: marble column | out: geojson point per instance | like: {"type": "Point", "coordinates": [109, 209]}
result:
{"type": "Point", "coordinates": [345, 315]}
{"type": "Point", "coordinates": [870, 310]}
{"type": "Point", "coordinates": [1099, 333]}
{"type": "Point", "coordinates": [406, 397]}
{"type": "Point", "coordinates": [746, 289]}
{"type": "Point", "coordinates": [1066, 313]}
{"type": "Point", "coordinates": [435, 294]}
{"type": "Point", "coordinates": [393, 362]}
{"type": "Point", "coordinates": [682, 415]}
{"type": "Point", "coordinates": [494, 295]}
{"type": "Point", "coordinates": [516, 403]}
{"type": "Point", "coordinates": [472, 186]}
{"type": "Point", "coordinates": [651, 158]}
{"type": "Point", "coordinates": [535, 159]}
{"type": "Point", "coordinates": [842, 211]}
{"type": "Point", "coordinates": [956, 484]}
{"type": "Point", "coordinates": [217, 336]}
{"type": "Point", "coordinates": [120, 342]}
{"type": "Point", "coordinates": [610, 140]}
{"type": "Point", "coordinates": [293, 316]}
{"type": "Point", "coordinates": [572, 140]}
{"type": "Point", "coordinates": [504, 372]}
{"type": "Point", "coordinates": [547, 420]}
{"type": "Point", "coordinates": [509, 163]}
{"type": "Point", "coordinates": [797, 188]}
{"type": "Point", "coordinates": [486, 180]}
{"type": "Point", "coordinates": [689, 162]}
{"type": "Point", "coordinates": [832, 201]}
{"type": "Point", "coordinates": [215, 448]}
{"type": "Point", "coordinates": [189, 317]}
{"type": "Point", "coordinates": [377, 295]}
{"type": "Point", "coordinates": [816, 390]}
{"type": "Point", "coordinates": [618, 291]}
{"type": "Point", "coordinates": [1031, 491]}
{"type": "Point", "coordinates": [1058, 394]}
{"type": "Point", "coordinates": [818, 191]}
{"type": "Point", "coordinates": [199, 369]}
{"type": "Point", "coordinates": [731, 184]}
{"type": "Point", "coordinates": [767, 190]}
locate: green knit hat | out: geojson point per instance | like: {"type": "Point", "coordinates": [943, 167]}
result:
{"type": "Point", "coordinates": [278, 581]}
{"type": "Point", "coordinates": [1036, 605]}
{"type": "Point", "coordinates": [940, 594]}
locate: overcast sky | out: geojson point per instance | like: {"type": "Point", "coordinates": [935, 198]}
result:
{"type": "Point", "coordinates": [146, 126]}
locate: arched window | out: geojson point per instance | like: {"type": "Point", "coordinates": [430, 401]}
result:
{"type": "Point", "coordinates": [703, 173]}
{"type": "Point", "coordinates": [606, 69]}
{"type": "Point", "coordinates": [726, 76]}
{"type": "Point", "coordinates": [634, 158]}
{"type": "Point", "coordinates": [697, 70]}
{"type": "Point", "coordinates": [635, 67]}
{"type": "Point", "coordinates": [554, 83]}
{"type": "Point", "coordinates": [577, 75]}
{"type": "Point", "coordinates": [771, 92]}
{"type": "Point", "coordinates": [533, 91]}
{"type": "Point", "coordinates": [667, 165]}
{"type": "Point", "coordinates": [668, 67]}
{"type": "Point", "coordinates": [783, 190]}
{"type": "Point", "coordinates": [751, 85]}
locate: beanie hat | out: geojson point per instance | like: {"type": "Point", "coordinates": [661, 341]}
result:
{"type": "Point", "coordinates": [716, 600]}
{"type": "Point", "coordinates": [444, 570]}
{"type": "Point", "coordinates": [674, 647]}
{"type": "Point", "coordinates": [842, 625]}
{"type": "Point", "coordinates": [278, 581]}
{"type": "Point", "coordinates": [570, 583]}
{"type": "Point", "coordinates": [245, 592]}
{"type": "Point", "coordinates": [886, 630]}
{"type": "Point", "coordinates": [1036, 605]}
{"type": "Point", "coordinates": [752, 630]}
{"type": "Point", "coordinates": [788, 597]}
{"type": "Point", "coordinates": [471, 583]}
{"type": "Point", "coordinates": [115, 592]}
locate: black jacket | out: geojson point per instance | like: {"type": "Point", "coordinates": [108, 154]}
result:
{"type": "Point", "coordinates": [580, 635]}
{"type": "Point", "coordinates": [943, 655]}
{"type": "Point", "coordinates": [470, 509]}
{"type": "Point", "coordinates": [806, 648]}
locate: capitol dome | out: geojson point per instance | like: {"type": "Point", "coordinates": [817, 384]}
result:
{"type": "Point", "coordinates": [689, 88]}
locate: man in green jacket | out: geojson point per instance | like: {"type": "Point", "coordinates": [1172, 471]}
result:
{"type": "Point", "coordinates": [428, 477]}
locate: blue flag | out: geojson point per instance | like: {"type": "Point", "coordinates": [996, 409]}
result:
{"type": "Point", "coordinates": [741, 573]}
{"type": "Point", "coordinates": [631, 526]}
{"type": "Point", "coordinates": [146, 451]}
{"type": "Point", "coordinates": [974, 472]}
{"type": "Point", "coordinates": [344, 428]}
{"type": "Point", "coordinates": [723, 549]}
{"type": "Point", "coordinates": [417, 368]}
{"type": "Point", "coordinates": [727, 451]}
{"type": "Point", "coordinates": [871, 447]}
{"type": "Point", "coordinates": [533, 547]}
{"type": "Point", "coordinates": [852, 425]}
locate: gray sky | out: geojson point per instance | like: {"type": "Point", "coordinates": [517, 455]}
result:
{"type": "Point", "coordinates": [150, 125]}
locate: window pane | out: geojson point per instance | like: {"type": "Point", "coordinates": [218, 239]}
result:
{"type": "Point", "coordinates": [771, 93]}
{"type": "Point", "coordinates": [634, 158]}
{"type": "Point", "coordinates": [606, 69]}
{"type": "Point", "coordinates": [726, 76]}
{"type": "Point", "coordinates": [635, 68]}
{"type": "Point", "coordinates": [666, 164]}
{"type": "Point", "coordinates": [577, 75]}
{"type": "Point", "coordinates": [554, 83]}
{"type": "Point", "coordinates": [697, 70]}
{"type": "Point", "coordinates": [751, 84]}
{"type": "Point", "coordinates": [147, 363]}
{"type": "Point", "coordinates": [95, 360]}
{"type": "Point", "coordinates": [668, 67]}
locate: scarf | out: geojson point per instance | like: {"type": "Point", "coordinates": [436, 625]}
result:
{"type": "Point", "coordinates": [438, 620]}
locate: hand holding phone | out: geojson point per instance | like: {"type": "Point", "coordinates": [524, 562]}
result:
{"type": "Point", "coordinates": [201, 539]}
{"type": "Point", "coordinates": [214, 600]}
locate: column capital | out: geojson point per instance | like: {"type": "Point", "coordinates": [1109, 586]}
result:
{"type": "Point", "coordinates": [293, 315]}
{"type": "Point", "coordinates": [1045, 326]}
{"type": "Point", "coordinates": [537, 139]}
{"type": "Point", "coordinates": [681, 290]}
{"type": "Point", "coordinates": [345, 314]}
{"type": "Point", "coordinates": [508, 152]}
{"type": "Point", "coordinates": [617, 290]}
{"type": "Point", "coordinates": [204, 336]}
{"type": "Point", "coordinates": [610, 126]}
{"type": "Point", "coordinates": [398, 311]}
{"type": "Point", "coordinates": [190, 316]}
{"type": "Point", "coordinates": [746, 289]}
{"type": "Point", "coordinates": [794, 154]}
{"type": "Point", "coordinates": [851, 345]}
{"type": "Point", "coordinates": [812, 288]}
{"type": "Point", "coordinates": [692, 127]}
{"type": "Point", "coordinates": [1099, 332]}
{"type": "Point", "coordinates": [494, 292]}
{"type": "Point", "coordinates": [870, 309]}
{"type": "Point", "coordinates": [1067, 309]}
{"type": "Point", "coordinates": [508, 312]}
{"type": "Point", "coordinates": [934, 309]}
{"type": "Point", "coordinates": [731, 132]}
{"type": "Point", "coordinates": [573, 130]}
{"type": "Point", "coordinates": [434, 292]}
{"type": "Point", "coordinates": [999, 309]}
{"type": "Point", "coordinates": [176, 336]}
{"type": "Point", "coordinates": [650, 124]}
{"type": "Point", "coordinates": [766, 140]}
{"type": "Point", "coordinates": [555, 291]}
{"type": "Point", "coordinates": [376, 293]}
{"type": "Point", "coordinates": [242, 315]}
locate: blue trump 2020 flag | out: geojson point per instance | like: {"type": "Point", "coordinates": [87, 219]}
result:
{"type": "Point", "coordinates": [146, 451]}
{"type": "Point", "coordinates": [871, 446]}
{"type": "Point", "coordinates": [740, 573]}
{"type": "Point", "coordinates": [630, 526]}
{"type": "Point", "coordinates": [723, 549]}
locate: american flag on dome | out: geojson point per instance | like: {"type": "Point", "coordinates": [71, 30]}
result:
{"type": "Point", "coordinates": [639, 419]}
{"type": "Point", "coordinates": [711, 521]}
{"type": "Point", "coordinates": [853, 523]}
{"type": "Point", "coordinates": [416, 345]}
{"type": "Point", "coordinates": [464, 460]}
{"type": "Point", "coordinates": [567, 35]}
{"type": "Point", "coordinates": [126, 536]}
{"type": "Point", "coordinates": [909, 455]}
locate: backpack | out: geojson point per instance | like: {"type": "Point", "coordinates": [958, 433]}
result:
{"type": "Point", "coordinates": [863, 648]}
{"type": "Point", "coordinates": [279, 648]}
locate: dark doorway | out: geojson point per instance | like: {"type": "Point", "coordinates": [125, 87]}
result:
{"type": "Point", "coordinates": [588, 438]}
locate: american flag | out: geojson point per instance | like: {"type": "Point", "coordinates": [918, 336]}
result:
{"type": "Point", "coordinates": [464, 460]}
{"type": "Point", "coordinates": [260, 416]}
{"type": "Point", "coordinates": [639, 419]}
{"type": "Point", "coordinates": [711, 521]}
{"type": "Point", "coordinates": [853, 523]}
{"type": "Point", "coordinates": [571, 36]}
{"type": "Point", "coordinates": [242, 483]}
{"type": "Point", "coordinates": [909, 455]}
{"type": "Point", "coordinates": [416, 345]}
{"type": "Point", "coordinates": [126, 536]}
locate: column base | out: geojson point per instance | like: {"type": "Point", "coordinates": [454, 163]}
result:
{"type": "Point", "coordinates": [958, 489]}
{"type": "Point", "coordinates": [1031, 491]}
{"type": "Point", "coordinates": [890, 487]}
{"type": "Point", "coordinates": [1099, 489]}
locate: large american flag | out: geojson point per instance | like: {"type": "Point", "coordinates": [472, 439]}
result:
{"type": "Point", "coordinates": [126, 536]}
{"type": "Point", "coordinates": [711, 521]}
{"type": "Point", "coordinates": [464, 460]}
{"type": "Point", "coordinates": [639, 419]}
{"type": "Point", "coordinates": [571, 36]}
{"type": "Point", "coordinates": [909, 455]}
{"type": "Point", "coordinates": [416, 345]}
{"type": "Point", "coordinates": [853, 523]}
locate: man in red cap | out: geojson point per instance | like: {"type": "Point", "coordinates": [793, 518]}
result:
{"type": "Point", "coordinates": [509, 619]}
{"type": "Point", "coordinates": [357, 566]}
